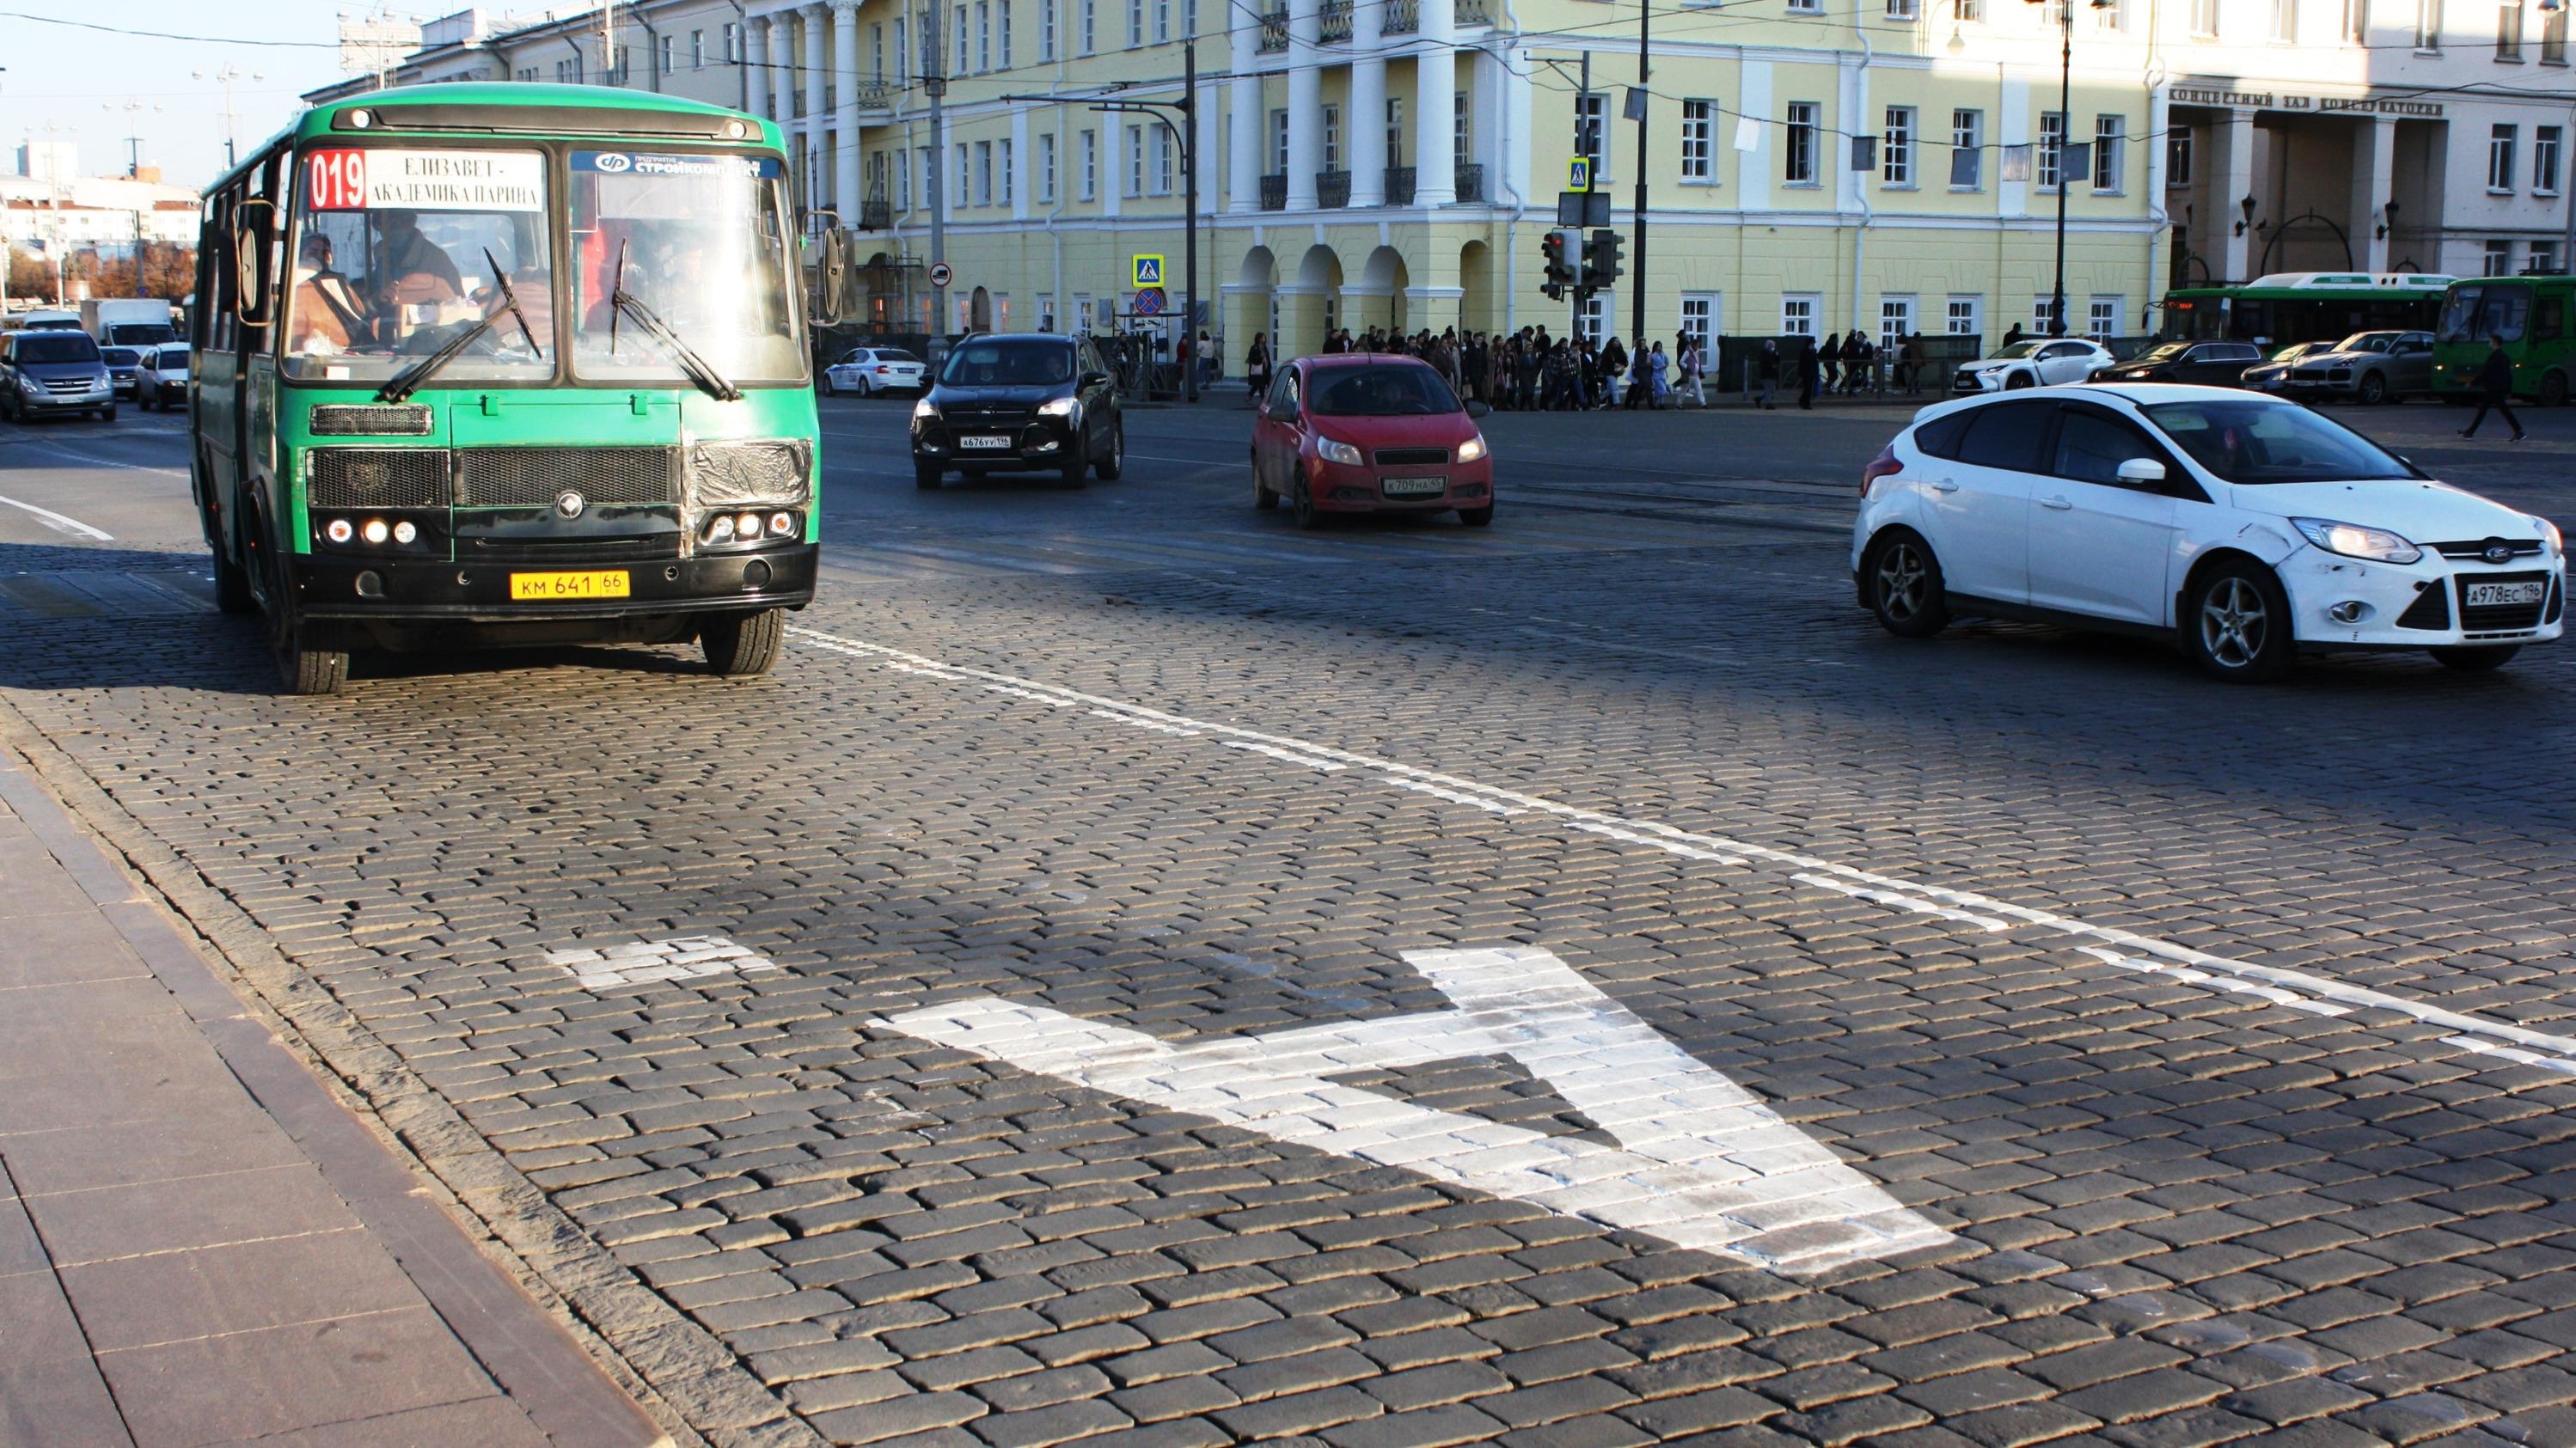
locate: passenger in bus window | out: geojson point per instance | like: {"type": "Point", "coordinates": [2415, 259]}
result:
{"type": "Point", "coordinates": [326, 316]}
{"type": "Point", "coordinates": [419, 271]}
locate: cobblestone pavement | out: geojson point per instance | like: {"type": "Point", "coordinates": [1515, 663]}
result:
{"type": "Point", "coordinates": [1140, 981]}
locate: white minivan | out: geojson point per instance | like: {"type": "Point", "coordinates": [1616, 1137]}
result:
{"type": "Point", "coordinates": [2247, 528]}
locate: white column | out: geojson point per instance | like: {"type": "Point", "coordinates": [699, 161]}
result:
{"type": "Point", "coordinates": [1243, 160]}
{"type": "Point", "coordinates": [1203, 143]}
{"type": "Point", "coordinates": [1485, 119]}
{"type": "Point", "coordinates": [816, 76]}
{"type": "Point", "coordinates": [2374, 171]}
{"type": "Point", "coordinates": [1435, 100]}
{"type": "Point", "coordinates": [782, 69]}
{"type": "Point", "coordinates": [845, 116]}
{"type": "Point", "coordinates": [2236, 163]}
{"type": "Point", "coordinates": [1516, 138]}
{"type": "Point", "coordinates": [1364, 129]}
{"type": "Point", "coordinates": [1305, 102]}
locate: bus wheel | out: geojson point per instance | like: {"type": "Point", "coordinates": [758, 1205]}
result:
{"type": "Point", "coordinates": [2553, 390]}
{"type": "Point", "coordinates": [302, 668]}
{"type": "Point", "coordinates": [744, 644]}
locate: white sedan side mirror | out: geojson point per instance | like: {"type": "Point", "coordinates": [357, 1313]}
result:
{"type": "Point", "coordinates": [2142, 470]}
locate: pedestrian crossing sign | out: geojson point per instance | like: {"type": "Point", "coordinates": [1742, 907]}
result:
{"type": "Point", "coordinates": [1149, 270]}
{"type": "Point", "coordinates": [1578, 174]}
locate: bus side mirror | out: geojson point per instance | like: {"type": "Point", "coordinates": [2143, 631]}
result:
{"type": "Point", "coordinates": [248, 296]}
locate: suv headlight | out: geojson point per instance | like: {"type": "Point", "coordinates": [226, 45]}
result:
{"type": "Point", "coordinates": [1334, 451]}
{"type": "Point", "coordinates": [1068, 408]}
{"type": "Point", "coordinates": [2355, 541]}
{"type": "Point", "coordinates": [925, 411]}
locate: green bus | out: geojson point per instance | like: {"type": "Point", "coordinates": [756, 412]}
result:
{"type": "Point", "coordinates": [2287, 308]}
{"type": "Point", "coordinates": [2536, 317]}
{"type": "Point", "coordinates": [493, 364]}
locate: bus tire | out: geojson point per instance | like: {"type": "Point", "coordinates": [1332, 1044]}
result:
{"type": "Point", "coordinates": [2553, 389]}
{"type": "Point", "coordinates": [744, 645]}
{"type": "Point", "coordinates": [301, 668]}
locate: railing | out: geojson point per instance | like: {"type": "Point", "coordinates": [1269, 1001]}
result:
{"type": "Point", "coordinates": [1471, 183]}
{"type": "Point", "coordinates": [1274, 193]}
{"type": "Point", "coordinates": [1403, 17]}
{"type": "Point", "coordinates": [796, 102]}
{"type": "Point", "coordinates": [1274, 32]}
{"type": "Point", "coordinates": [874, 95]}
{"type": "Point", "coordinates": [1475, 12]}
{"type": "Point", "coordinates": [1333, 188]}
{"type": "Point", "coordinates": [1399, 186]}
{"type": "Point", "coordinates": [876, 214]}
{"type": "Point", "coordinates": [1336, 17]}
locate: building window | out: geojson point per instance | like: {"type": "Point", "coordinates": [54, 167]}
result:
{"type": "Point", "coordinates": [1592, 132]}
{"type": "Point", "coordinates": [1900, 9]}
{"type": "Point", "coordinates": [2499, 259]}
{"type": "Point", "coordinates": [697, 50]}
{"type": "Point", "coordinates": [920, 167]}
{"type": "Point", "coordinates": [1798, 156]}
{"type": "Point", "coordinates": [2204, 19]}
{"type": "Point", "coordinates": [1332, 138]}
{"type": "Point", "coordinates": [2110, 153]}
{"type": "Point", "coordinates": [1599, 315]}
{"type": "Point", "coordinates": [2113, 15]}
{"type": "Point", "coordinates": [1965, 316]}
{"type": "Point", "coordinates": [960, 57]}
{"type": "Point", "coordinates": [2500, 141]}
{"type": "Point", "coordinates": [1010, 184]}
{"type": "Point", "coordinates": [1135, 23]}
{"type": "Point", "coordinates": [2428, 25]}
{"type": "Point", "coordinates": [1798, 314]}
{"type": "Point", "coordinates": [1005, 47]}
{"type": "Point", "coordinates": [2177, 158]}
{"type": "Point", "coordinates": [961, 190]}
{"type": "Point", "coordinates": [1394, 131]}
{"type": "Point", "coordinates": [1162, 148]}
{"type": "Point", "coordinates": [1970, 12]}
{"type": "Point", "coordinates": [1278, 143]}
{"type": "Point", "coordinates": [1087, 151]}
{"type": "Point", "coordinates": [1895, 322]}
{"type": "Point", "coordinates": [983, 34]}
{"type": "Point", "coordinates": [1458, 148]}
{"type": "Point", "coordinates": [1082, 311]}
{"type": "Point", "coordinates": [2043, 315]}
{"type": "Point", "coordinates": [2356, 21]}
{"type": "Point", "coordinates": [1806, 7]}
{"type": "Point", "coordinates": [2509, 30]}
{"type": "Point", "coordinates": [2285, 21]}
{"type": "Point", "coordinates": [1135, 160]}
{"type": "Point", "coordinates": [1046, 29]}
{"type": "Point", "coordinates": [2544, 257]}
{"type": "Point", "coordinates": [1162, 21]}
{"type": "Point", "coordinates": [2052, 150]}
{"type": "Point", "coordinates": [1046, 312]}
{"type": "Point", "coordinates": [1699, 323]}
{"type": "Point", "coordinates": [733, 42]}
{"type": "Point", "coordinates": [2553, 35]}
{"type": "Point", "coordinates": [2544, 160]}
{"type": "Point", "coordinates": [2102, 319]}
{"type": "Point", "coordinates": [1896, 156]}
{"type": "Point", "coordinates": [1046, 166]}
{"type": "Point", "coordinates": [902, 52]}
{"type": "Point", "coordinates": [1699, 131]}
{"type": "Point", "coordinates": [1967, 150]}
{"type": "Point", "coordinates": [1090, 25]}
{"type": "Point", "coordinates": [669, 63]}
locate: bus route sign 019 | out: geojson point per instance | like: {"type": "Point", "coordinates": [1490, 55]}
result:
{"type": "Point", "coordinates": [940, 275]}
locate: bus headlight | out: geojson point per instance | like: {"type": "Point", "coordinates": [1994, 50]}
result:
{"type": "Point", "coordinates": [746, 525]}
{"type": "Point", "coordinates": [375, 531]}
{"type": "Point", "coordinates": [781, 524]}
{"type": "Point", "coordinates": [721, 529]}
{"type": "Point", "coordinates": [338, 530]}
{"type": "Point", "coordinates": [404, 532]}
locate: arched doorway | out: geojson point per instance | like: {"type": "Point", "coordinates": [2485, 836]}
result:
{"type": "Point", "coordinates": [1380, 292]}
{"type": "Point", "coordinates": [979, 311]}
{"type": "Point", "coordinates": [1476, 304]}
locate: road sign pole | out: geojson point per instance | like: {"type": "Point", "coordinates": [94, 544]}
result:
{"type": "Point", "coordinates": [1190, 217]}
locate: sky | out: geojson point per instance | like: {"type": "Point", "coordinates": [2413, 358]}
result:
{"type": "Point", "coordinates": [68, 77]}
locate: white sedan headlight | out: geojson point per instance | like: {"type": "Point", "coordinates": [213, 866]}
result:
{"type": "Point", "coordinates": [1335, 451]}
{"type": "Point", "coordinates": [2549, 534]}
{"type": "Point", "coordinates": [2355, 541]}
{"type": "Point", "coordinates": [1472, 449]}
{"type": "Point", "coordinates": [923, 411]}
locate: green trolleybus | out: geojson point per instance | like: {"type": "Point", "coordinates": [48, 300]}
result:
{"type": "Point", "coordinates": [2287, 308]}
{"type": "Point", "coordinates": [2536, 318]}
{"type": "Point", "coordinates": [483, 364]}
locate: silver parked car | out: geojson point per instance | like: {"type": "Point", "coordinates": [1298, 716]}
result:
{"type": "Point", "coordinates": [2369, 366]}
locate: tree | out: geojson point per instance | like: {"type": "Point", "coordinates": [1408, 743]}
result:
{"type": "Point", "coordinates": [29, 274]}
{"type": "Point", "coordinates": [169, 271]}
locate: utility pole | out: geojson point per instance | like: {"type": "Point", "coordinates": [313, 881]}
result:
{"type": "Point", "coordinates": [2065, 136]}
{"type": "Point", "coordinates": [935, 82]}
{"type": "Point", "coordinates": [224, 75]}
{"type": "Point", "coordinates": [1637, 284]}
{"type": "Point", "coordinates": [1587, 144]}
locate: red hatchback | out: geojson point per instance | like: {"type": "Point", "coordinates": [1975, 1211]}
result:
{"type": "Point", "coordinates": [1362, 433]}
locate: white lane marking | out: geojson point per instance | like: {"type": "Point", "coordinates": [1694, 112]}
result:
{"type": "Point", "coordinates": [1701, 1162]}
{"type": "Point", "coordinates": [653, 962]}
{"type": "Point", "coordinates": [1451, 795]}
{"type": "Point", "coordinates": [2528, 1058]}
{"type": "Point", "coordinates": [1902, 902]}
{"type": "Point", "coordinates": [1691, 845]}
{"type": "Point", "coordinates": [1172, 729]}
{"type": "Point", "coordinates": [2186, 974]}
{"type": "Point", "coordinates": [95, 460]}
{"type": "Point", "coordinates": [1049, 700]}
{"type": "Point", "coordinates": [1321, 766]}
{"type": "Point", "coordinates": [60, 524]}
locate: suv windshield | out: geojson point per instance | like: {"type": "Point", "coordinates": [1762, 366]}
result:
{"type": "Point", "coordinates": [2259, 442]}
{"type": "Point", "coordinates": [1380, 392]}
{"type": "Point", "coordinates": [56, 347]}
{"type": "Point", "coordinates": [395, 250]}
{"type": "Point", "coordinates": [1009, 362]}
{"type": "Point", "coordinates": [704, 243]}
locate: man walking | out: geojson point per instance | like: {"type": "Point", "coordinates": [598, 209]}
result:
{"type": "Point", "coordinates": [1767, 370]}
{"type": "Point", "coordinates": [2495, 390]}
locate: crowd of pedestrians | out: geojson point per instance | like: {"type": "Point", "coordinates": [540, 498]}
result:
{"type": "Point", "coordinates": [1531, 371]}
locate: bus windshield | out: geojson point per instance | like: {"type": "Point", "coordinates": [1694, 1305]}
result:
{"type": "Point", "coordinates": [703, 239]}
{"type": "Point", "coordinates": [2474, 314]}
{"type": "Point", "coordinates": [396, 251]}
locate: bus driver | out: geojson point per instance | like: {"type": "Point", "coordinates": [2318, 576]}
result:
{"type": "Point", "coordinates": [327, 318]}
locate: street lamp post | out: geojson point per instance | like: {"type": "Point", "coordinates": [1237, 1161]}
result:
{"type": "Point", "coordinates": [224, 75]}
{"type": "Point", "coordinates": [2065, 143]}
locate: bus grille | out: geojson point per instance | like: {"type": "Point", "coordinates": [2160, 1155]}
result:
{"type": "Point", "coordinates": [533, 477]}
{"type": "Point", "coordinates": [723, 474]}
{"type": "Point", "coordinates": [376, 477]}
{"type": "Point", "coordinates": [344, 419]}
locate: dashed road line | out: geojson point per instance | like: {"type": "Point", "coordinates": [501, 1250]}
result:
{"type": "Point", "coordinates": [1916, 896]}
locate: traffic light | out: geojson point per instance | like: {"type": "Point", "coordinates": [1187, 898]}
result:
{"type": "Point", "coordinates": [1560, 274]}
{"type": "Point", "coordinates": [1601, 259]}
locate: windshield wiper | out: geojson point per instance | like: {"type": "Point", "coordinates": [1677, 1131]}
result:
{"type": "Point", "coordinates": [622, 301]}
{"type": "Point", "coordinates": [409, 380]}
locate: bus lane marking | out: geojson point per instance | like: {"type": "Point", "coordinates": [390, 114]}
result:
{"type": "Point", "coordinates": [60, 524]}
{"type": "Point", "coordinates": [2111, 945]}
{"type": "Point", "coordinates": [657, 962]}
{"type": "Point", "coordinates": [1700, 1162]}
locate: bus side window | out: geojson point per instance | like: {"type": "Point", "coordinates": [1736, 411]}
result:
{"type": "Point", "coordinates": [219, 238]}
{"type": "Point", "coordinates": [2549, 317]}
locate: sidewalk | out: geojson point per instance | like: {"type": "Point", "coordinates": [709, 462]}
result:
{"type": "Point", "coordinates": [198, 1243]}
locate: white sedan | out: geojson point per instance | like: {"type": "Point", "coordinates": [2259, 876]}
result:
{"type": "Point", "coordinates": [2246, 528]}
{"type": "Point", "coordinates": [162, 378]}
{"type": "Point", "coordinates": [867, 371]}
{"type": "Point", "coordinates": [2041, 363]}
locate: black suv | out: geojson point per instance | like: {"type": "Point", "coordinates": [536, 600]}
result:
{"type": "Point", "coordinates": [1024, 403]}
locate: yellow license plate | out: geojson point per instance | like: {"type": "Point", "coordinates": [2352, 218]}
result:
{"type": "Point", "coordinates": [547, 587]}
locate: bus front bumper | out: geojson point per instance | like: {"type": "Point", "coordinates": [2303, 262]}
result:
{"type": "Point", "coordinates": [390, 590]}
